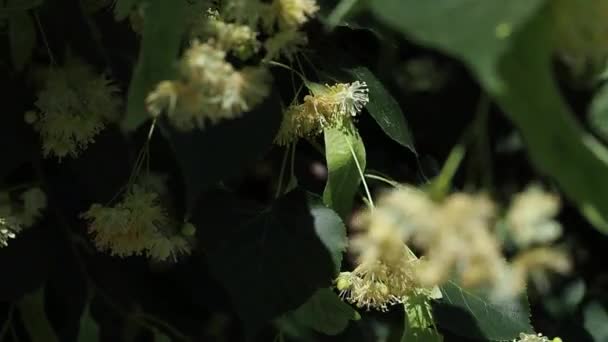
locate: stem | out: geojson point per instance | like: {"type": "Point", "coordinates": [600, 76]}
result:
{"type": "Point", "coordinates": [361, 175]}
{"type": "Point", "coordinates": [282, 172]}
{"type": "Point", "coordinates": [441, 184]}
{"type": "Point", "coordinates": [382, 179]}
{"type": "Point", "coordinates": [293, 159]}
{"type": "Point", "coordinates": [44, 39]}
{"type": "Point", "coordinates": [286, 67]}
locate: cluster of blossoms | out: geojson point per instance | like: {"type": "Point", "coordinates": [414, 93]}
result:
{"type": "Point", "coordinates": [328, 107]}
{"type": "Point", "coordinates": [209, 87]}
{"type": "Point", "coordinates": [137, 225]}
{"type": "Point", "coordinates": [74, 106]}
{"type": "Point", "coordinates": [536, 338]}
{"type": "Point", "coordinates": [457, 240]}
{"type": "Point", "coordinates": [18, 215]}
{"type": "Point", "coordinates": [385, 274]}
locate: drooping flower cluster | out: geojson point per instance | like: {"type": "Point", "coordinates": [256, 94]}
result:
{"type": "Point", "coordinates": [73, 108]}
{"type": "Point", "coordinates": [8, 230]}
{"type": "Point", "coordinates": [16, 215]}
{"type": "Point", "coordinates": [457, 239]}
{"type": "Point", "coordinates": [137, 225]}
{"type": "Point", "coordinates": [385, 272]}
{"type": "Point", "coordinates": [210, 89]}
{"type": "Point", "coordinates": [328, 107]}
{"type": "Point", "coordinates": [536, 338]}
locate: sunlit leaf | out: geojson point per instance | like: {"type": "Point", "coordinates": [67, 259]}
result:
{"type": "Point", "coordinates": [341, 148]}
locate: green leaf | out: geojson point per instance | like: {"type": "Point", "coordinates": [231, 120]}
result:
{"type": "Point", "coordinates": [163, 29]}
{"type": "Point", "coordinates": [419, 324]}
{"type": "Point", "coordinates": [598, 112]}
{"type": "Point", "coordinates": [596, 316]}
{"type": "Point", "coordinates": [19, 6]}
{"type": "Point", "coordinates": [33, 316]}
{"type": "Point", "coordinates": [476, 316]}
{"type": "Point", "coordinates": [324, 312]}
{"type": "Point", "coordinates": [533, 101]}
{"type": "Point", "coordinates": [344, 177]}
{"type": "Point", "coordinates": [269, 259]}
{"type": "Point", "coordinates": [89, 330]}
{"type": "Point", "coordinates": [384, 108]}
{"type": "Point", "coordinates": [477, 31]}
{"type": "Point", "coordinates": [222, 151]}
{"type": "Point", "coordinates": [122, 8]}
{"type": "Point", "coordinates": [160, 337]}
{"type": "Point", "coordinates": [331, 231]}
{"type": "Point", "coordinates": [22, 37]}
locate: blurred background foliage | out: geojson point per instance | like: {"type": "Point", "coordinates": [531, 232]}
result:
{"type": "Point", "coordinates": [520, 83]}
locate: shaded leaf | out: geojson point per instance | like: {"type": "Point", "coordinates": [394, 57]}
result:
{"type": "Point", "coordinates": [476, 316]}
{"type": "Point", "coordinates": [89, 330]}
{"type": "Point", "coordinates": [122, 8]}
{"type": "Point", "coordinates": [596, 316]}
{"type": "Point", "coordinates": [28, 259]}
{"type": "Point", "coordinates": [269, 259]}
{"type": "Point", "coordinates": [598, 112]}
{"type": "Point", "coordinates": [384, 108]}
{"type": "Point", "coordinates": [222, 151]}
{"type": "Point", "coordinates": [344, 178]}
{"type": "Point", "coordinates": [325, 312]}
{"type": "Point", "coordinates": [477, 31]}
{"type": "Point", "coordinates": [33, 316]}
{"type": "Point", "coordinates": [163, 29]}
{"type": "Point", "coordinates": [331, 231]}
{"type": "Point", "coordinates": [22, 37]}
{"type": "Point", "coordinates": [160, 337]}
{"type": "Point", "coordinates": [19, 6]}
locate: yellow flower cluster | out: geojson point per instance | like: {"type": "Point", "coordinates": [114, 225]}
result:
{"type": "Point", "coordinates": [329, 106]}
{"type": "Point", "coordinates": [210, 89]}
{"type": "Point", "coordinates": [456, 237]}
{"type": "Point", "coordinates": [73, 108]}
{"type": "Point", "coordinates": [536, 338]}
{"type": "Point", "coordinates": [18, 215]}
{"type": "Point", "coordinates": [385, 272]}
{"type": "Point", "coordinates": [137, 225]}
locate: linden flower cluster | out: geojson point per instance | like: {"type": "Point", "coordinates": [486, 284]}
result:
{"type": "Point", "coordinates": [457, 238]}
{"type": "Point", "coordinates": [18, 215]}
{"type": "Point", "coordinates": [210, 89]}
{"type": "Point", "coordinates": [536, 338]}
{"type": "Point", "coordinates": [137, 225]}
{"type": "Point", "coordinates": [73, 108]}
{"type": "Point", "coordinates": [385, 274]}
{"type": "Point", "coordinates": [281, 21]}
{"type": "Point", "coordinates": [329, 106]}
